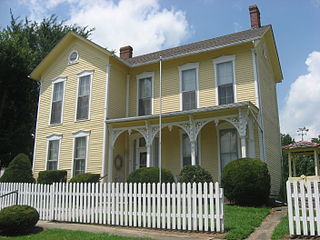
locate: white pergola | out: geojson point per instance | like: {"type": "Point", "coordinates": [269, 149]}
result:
{"type": "Point", "coordinates": [302, 148]}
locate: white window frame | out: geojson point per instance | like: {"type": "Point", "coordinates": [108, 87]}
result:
{"type": "Point", "coordinates": [53, 137]}
{"type": "Point", "coordinates": [142, 76]}
{"type": "Point", "coordinates": [54, 81]}
{"type": "Point", "coordinates": [79, 75]}
{"type": "Point", "coordinates": [225, 126]}
{"type": "Point", "coordinates": [181, 147]}
{"type": "Point", "coordinates": [224, 59]}
{"type": "Point", "coordinates": [184, 67]}
{"type": "Point", "coordinates": [78, 134]}
{"type": "Point", "coordinates": [76, 60]}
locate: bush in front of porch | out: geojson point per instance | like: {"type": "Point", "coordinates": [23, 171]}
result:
{"type": "Point", "coordinates": [246, 182]}
{"type": "Point", "coordinates": [150, 175]}
{"type": "Point", "coordinates": [194, 174]}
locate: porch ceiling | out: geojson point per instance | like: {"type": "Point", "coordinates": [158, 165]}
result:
{"type": "Point", "coordinates": [199, 113]}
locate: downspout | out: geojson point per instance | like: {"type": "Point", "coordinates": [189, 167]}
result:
{"type": "Point", "coordinates": [260, 104]}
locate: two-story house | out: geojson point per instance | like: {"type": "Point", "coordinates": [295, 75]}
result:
{"type": "Point", "coordinates": [101, 113]}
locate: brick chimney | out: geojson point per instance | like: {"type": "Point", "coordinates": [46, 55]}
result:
{"type": "Point", "coordinates": [254, 16]}
{"type": "Point", "coordinates": [126, 52]}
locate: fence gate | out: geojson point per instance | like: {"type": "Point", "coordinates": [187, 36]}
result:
{"type": "Point", "coordinates": [178, 206]}
{"type": "Point", "coordinates": [303, 207]}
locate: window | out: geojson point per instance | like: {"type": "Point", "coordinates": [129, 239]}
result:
{"type": "Point", "coordinates": [225, 79]}
{"type": "Point", "coordinates": [57, 101]}
{"type": "Point", "coordinates": [228, 146]}
{"type": "Point", "coordinates": [188, 86]}
{"type": "Point", "coordinates": [186, 151]}
{"type": "Point", "coordinates": [53, 152]}
{"type": "Point", "coordinates": [73, 57]}
{"type": "Point", "coordinates": [145, 93]}
{"type": "Point", "coordinates": [83, 104]}
{"type": "Point", "coordinates": [80, 152]}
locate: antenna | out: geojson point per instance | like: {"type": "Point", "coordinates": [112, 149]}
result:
{"type": "Point", "coordinates": [303, 132]}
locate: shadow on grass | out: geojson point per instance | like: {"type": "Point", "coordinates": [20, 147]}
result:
{"type": "Point", "coordinates": [34, 230]}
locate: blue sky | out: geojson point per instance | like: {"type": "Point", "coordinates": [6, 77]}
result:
{"type": "Point", "coordinates": [178, 22]}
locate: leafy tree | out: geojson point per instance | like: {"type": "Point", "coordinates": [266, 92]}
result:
{"type": "Point", "coordinates": [23, 44]}
{"type": "Point", "coordinates": [316, 140]}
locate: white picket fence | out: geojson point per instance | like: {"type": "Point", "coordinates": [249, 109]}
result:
{"type": "Point", "coordinates": [176, 206]}
{"type": "Point", "coordinates": [303, 207]}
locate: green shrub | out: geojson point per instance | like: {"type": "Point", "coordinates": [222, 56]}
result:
{"type": "Point", "coordinates": [19, 170]}
{"type": "Point", "coordinates": [194, 174]}
{"type": "Point", "coordinates": [85, 178]}
{"type": "Point", "coordinates": [246, 182]}
{"type": "Point", "coordinates": [150, 175]}
{"type": "Point", "coordinates": [51, 176]}
{"type": "Point", "coordinates": [18, 219]}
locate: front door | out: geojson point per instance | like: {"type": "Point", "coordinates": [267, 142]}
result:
{"type": "Point", "coordinates": [139, 153]}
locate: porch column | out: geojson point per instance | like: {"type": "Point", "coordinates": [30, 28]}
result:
{"type": "Point", "coordinates": [110, 161]}
{"type": "Point", "coordinates": [289, 161]}
{"type": "Point", "coordinates": [148, 155]}
{"type": "Point", "coordinates": [316, 163]}
{"type": "Point", "coordinates": [193, 153]}
{"type": "Point", "coordinates": [243, 147]}
{"type": "Point", "coordinates": [294, 167]}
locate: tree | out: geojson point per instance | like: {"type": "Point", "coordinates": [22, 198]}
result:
{"type": "Point", "coordinates": [23, 44]}
{"type": "Point", "coordinates": [316, 140]}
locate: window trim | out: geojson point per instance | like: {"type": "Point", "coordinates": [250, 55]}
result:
{"type": "Point", "coordinates": [181, 147]}
{"type": "Point", "coordinates": [54, 81]}
{"type": "Point", "coordinates": [78, 134]}
{"type": "Point", "coordinates": [189, 66]}
{"type": "Point", "coordinates": [224, 59]}
{"type": "Point", "coordinates": [53, 137]}
{"type": "Point", "coordinates": [76, 60]}
{"type": "Point", "coordinates": [219, 127]}
{"type": "Point", "coordinates": [142, 76]}
{"type": "Point", "coordinates": [79, 75]}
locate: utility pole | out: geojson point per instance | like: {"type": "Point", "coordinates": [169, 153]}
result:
{"type": "Point", "coordinates": [303, 132]}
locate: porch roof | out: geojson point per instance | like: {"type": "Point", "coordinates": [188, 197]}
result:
{"type": "Point", "coordinates": [219, 110]}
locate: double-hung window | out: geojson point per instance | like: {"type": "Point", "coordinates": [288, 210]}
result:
{"type": "Point", "coordinates": [83, 101]}
{"type": "Point", "coordinates": [57, 101]}
{"type": "Point", "coordinates": [186, 151]}
{"type": "Point", "coordinates": [80, 152]}
{"type": "Point", "coordinates": [53, 152]}
{"type": "Point", "coordinates": [145, 93]}
{"type": "Point", "coordinates": [228, 146]}
{"type": "Point", "coordinates": [188, 78]}
{"type": "Point", "coordinates": [225, 79]}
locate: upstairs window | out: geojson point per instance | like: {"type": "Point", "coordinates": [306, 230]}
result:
{"type": "Point", "coordinates": [57, 101]}
{"type": "Point", "coordinates": [225, 79]}
{"type": "Point", "coordinates": [83, 103]}
{"type": "Point", "coordinates": [188, 86]}
{"type": "Point", "coordinates": [145, 81]}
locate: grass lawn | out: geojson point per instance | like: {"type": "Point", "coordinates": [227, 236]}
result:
{"type": "Point", "coordinates": [240, 222]}
{"type": "Point", "coordinates": [56, 234]}
{"type": "Point", "coordinates": [282, 229]}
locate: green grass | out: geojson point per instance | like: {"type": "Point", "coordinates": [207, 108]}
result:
{"type": "Point", "coordinates": [59, 234]}
{"type": "Point", "coordinates": [240, 222]}
{"type": "Point", "coordinates": [282, 228]}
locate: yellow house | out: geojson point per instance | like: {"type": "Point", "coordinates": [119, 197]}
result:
{"type": "Point", "coordinates": [100, 113]}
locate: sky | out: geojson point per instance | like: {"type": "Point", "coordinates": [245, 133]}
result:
{"type": "Point", "coordinates": [151, 25]}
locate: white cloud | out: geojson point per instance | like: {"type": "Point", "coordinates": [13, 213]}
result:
{"type": "Point", "coordinates": [303, 101]}
{"type": "Point", "coordinates": [143, 24]}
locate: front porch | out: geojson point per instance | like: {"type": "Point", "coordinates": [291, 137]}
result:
{"type": "Point", "coordinates": [209, 137]}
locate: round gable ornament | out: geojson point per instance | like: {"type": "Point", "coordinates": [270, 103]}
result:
{"type": "Point", "coordinates": [73, 57]}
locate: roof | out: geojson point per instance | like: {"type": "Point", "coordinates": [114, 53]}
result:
{"type": "Point", "coordinates": [301, 145]}
{"type": "Point", "coordinates": [210, 44]}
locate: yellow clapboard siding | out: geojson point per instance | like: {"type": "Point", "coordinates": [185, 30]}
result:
{"type": "Point", "coordinates": [89, 59]}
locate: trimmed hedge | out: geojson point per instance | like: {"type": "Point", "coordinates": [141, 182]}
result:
{"type": "Point", "coordinates": [19, 170]}
{"type": "Point", "coordinates": [194, 174]}
{"type": "Point", "coordinates": [51, 176]}
{"type": "Point", "coordinates": [150, 175]}
{"type": "Point", "coordinates": [86, 178]}
{"type": "Point", "coordinates": [18, 219]}
{"type": "Point", "coordinates": [246, 182]}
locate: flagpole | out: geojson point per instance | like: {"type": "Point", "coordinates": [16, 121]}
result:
{"type": "Point", "coordinates": [160, 119]}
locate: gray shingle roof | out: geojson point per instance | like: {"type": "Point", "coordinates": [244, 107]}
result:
{"type": "Point", "coordinates": [200, 46]}
{"type": "Point", "coordinates": [302, 144]}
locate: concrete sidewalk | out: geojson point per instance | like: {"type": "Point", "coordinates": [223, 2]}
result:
{"type": "Point", "coordinates": [131, 232]}
{"type": "Point", "coordinates": [264, 232]}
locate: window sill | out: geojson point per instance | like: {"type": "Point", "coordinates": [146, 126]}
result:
{"type": "Point", "coordinates": [81, 120]}
{"type": "Point", "coordinates": [55, 124]}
